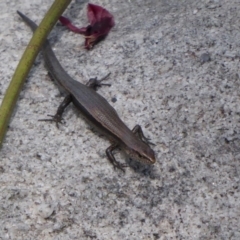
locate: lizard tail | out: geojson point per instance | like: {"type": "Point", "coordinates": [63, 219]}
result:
{"type": "Point", "coordinates": [29, 22]}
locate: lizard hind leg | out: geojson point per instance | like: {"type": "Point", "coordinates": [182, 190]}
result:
{"type": "Point", "coordinates": [57, 118]}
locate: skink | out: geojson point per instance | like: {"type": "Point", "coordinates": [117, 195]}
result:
{"type": "Point", "coordinates": [96, 110]}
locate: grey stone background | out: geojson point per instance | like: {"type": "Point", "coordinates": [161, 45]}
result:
{"type": "Point", "coordinates": [175, 71]}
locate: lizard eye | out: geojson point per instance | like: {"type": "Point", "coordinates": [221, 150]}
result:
{"type": "Point", "coordinates": [139, 155]}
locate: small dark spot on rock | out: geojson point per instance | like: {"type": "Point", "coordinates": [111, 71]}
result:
{"type": "Point", "coordinates": [2, 169]}
{"type": "Point", "coordinates": [205, 57]}
{"type": "Point", "coordinates": [226, 141]}
{"type": "Point", "coordinates": [171, 169]}
{"type": "Point", "coordinates": [142, 220]}
{"type": "Point", "coordinates": [156, 236]}
{"type": "Point", "coordinates": [114, 99]}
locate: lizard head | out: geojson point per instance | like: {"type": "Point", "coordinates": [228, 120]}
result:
{"type": "Point", "coordinates": [142, 153]}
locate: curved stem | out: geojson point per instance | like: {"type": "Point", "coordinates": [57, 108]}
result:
{"type": "Point", "coordinates": [26, 62]}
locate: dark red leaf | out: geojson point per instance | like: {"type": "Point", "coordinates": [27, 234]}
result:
{"type": "Point", "coordinates": [101, 22]}
{"type": "Point", "coordinates": [66, 22]}
{"type": "Point", "coordinates": [97, 14]}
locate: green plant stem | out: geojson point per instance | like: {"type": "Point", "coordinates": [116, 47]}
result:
{"type": "Point", "coordinates": [26, 62]}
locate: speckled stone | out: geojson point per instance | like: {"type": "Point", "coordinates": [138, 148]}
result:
{"type": "Point", "coordinates": [58, 184]}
